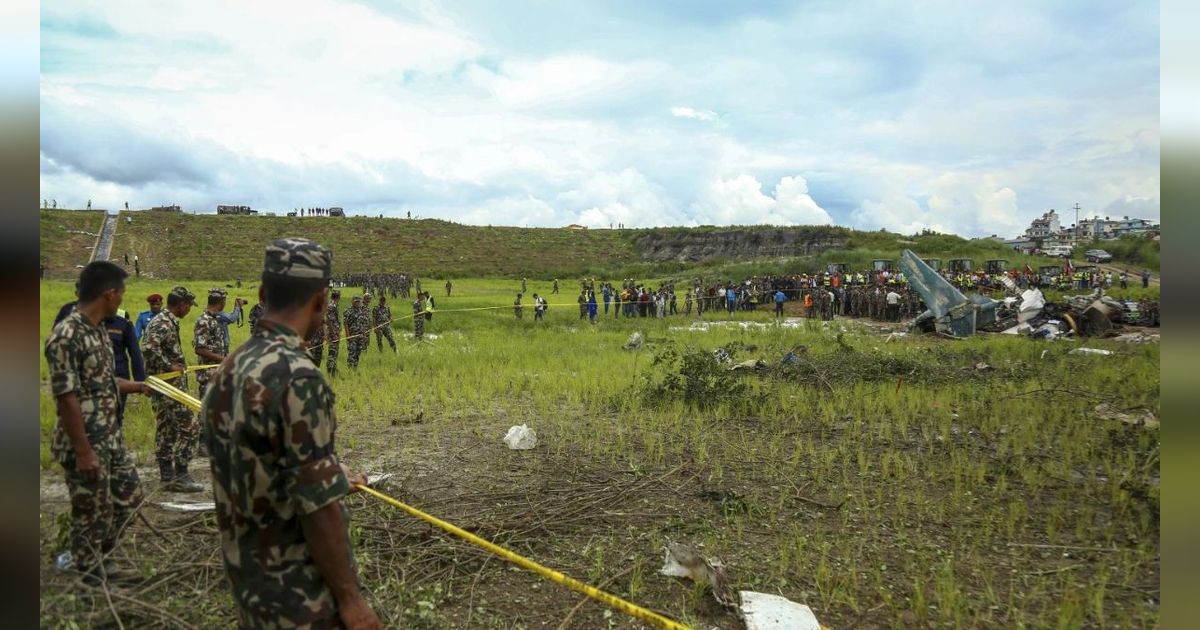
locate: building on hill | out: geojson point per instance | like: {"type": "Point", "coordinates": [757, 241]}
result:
{"type": "Point", "coordinates": [1044, 226]}
{"type": "Point", "coordinates": [171, 208]}
{"type": "Point", "coordinates": [336, 212]}
{"type": "Point", "coordinates": [575, 226]}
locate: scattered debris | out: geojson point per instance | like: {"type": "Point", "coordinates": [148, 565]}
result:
{"type": "Point", "coordinates": [188, 506]}
{"type": "Point", "coordinates": [1142, 419]}
{"type": "Point", "coordinates": [635, 342]}
{"type": "Point", "coordinates": [722, 356]}
{"type": "Point", "coordinates": [520, 438]}
{"type": "Point", "coordinates": [894, 336]}
{"type": "Point", "coordinates": [65, 561]}
{"type": "Point", "coordinates": [1137, 337]}
{"type": "Point", "coordinates": [981, 366]}
{"type": "Point", "coordinates": [763, 611]}
{"type": "Point", "coordinates": [683, 560]}
{"type": "Point", "coordinates": [751, 364]}
{"type": "Point", "coordinates": [372, 480]}
{"type": "Point", "coordinates": [1094, 351]}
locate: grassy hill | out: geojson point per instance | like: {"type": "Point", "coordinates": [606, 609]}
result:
{"type": "Point", "coordinates": [190, 246]}
{"type": "Point", "coordinates": [67, 238]}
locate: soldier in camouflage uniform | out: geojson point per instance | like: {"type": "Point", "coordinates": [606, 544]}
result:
{"type": "Point", "coordinates": [358, 325]}
{"type": "Point", "coordinates": [381, 316]}
{"type": "Point", "coordinates": [256, 314]}
{"type": "Point", "coordinates": [418, 307]}
{"type": "Point", "coordinates": [367, 337]}
{"type": "Point", "coordinates": [88, 441]}
{"type": "Point", "coordinates": [278, 484]}
{"type": "Point", "coordinates": [333, 331]}
{"type": "Point", "coordinates": [175, 428]}
{"type": "Point", "coordinates": [210, 340]}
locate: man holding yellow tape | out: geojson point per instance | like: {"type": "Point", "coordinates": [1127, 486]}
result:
{"type": "Point", "coordinates": [175, 428]}
{"type": "Point", "coordinates": [269, 424]}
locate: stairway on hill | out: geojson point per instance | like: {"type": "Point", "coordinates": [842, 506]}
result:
{"type": "Point", "coordinates": [104, 244]}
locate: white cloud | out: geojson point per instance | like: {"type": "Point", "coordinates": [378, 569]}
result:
{"type": "Point", "coordinates": [741, 201]}
{"type": "Point", "coordinates": [697, 114]}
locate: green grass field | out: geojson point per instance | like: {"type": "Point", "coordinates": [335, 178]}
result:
{"type": "Point", "coordinates": [883, 484]}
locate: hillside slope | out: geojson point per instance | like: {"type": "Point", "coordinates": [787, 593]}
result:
{"type": "Point", "coordinates": [66, 239]}
{"type": "Point", "coordinates": [190, 246]}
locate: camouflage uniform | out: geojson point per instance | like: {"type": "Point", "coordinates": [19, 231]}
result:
{"type": "Point", "coordinates": [256, 314]}
{"type": "Point", "coordinates": [80, 357]}
{"type": "Point", "coordinates": [333, 334]}
{"type": "Point", "coordinates": [418, 319]}
{"type": "Point", "coordinates": [358, 325]}
{"type": "Point", "coordinates": [209, 335]}
{"type": "Point", "coordinates": [269, 424]}
{"type": "Point", "coordinates": [175, 428]}
{"type": "Point", "coordinates": [382, 317]}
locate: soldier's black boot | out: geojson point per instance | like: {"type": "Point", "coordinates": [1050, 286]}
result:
{"type": "Point", "coordinates": [165, 472]}
{"type": "Point", "coordinates": [183, 481]}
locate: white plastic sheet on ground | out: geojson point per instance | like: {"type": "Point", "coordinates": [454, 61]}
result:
{"type": "Point", "coordinates": [188, 506]}
{"type": "Point", "coordinates": [1032, 303]}
{"type": "Point", "coordinates": [763, 611]}
{"type": "Point", "coordinates": [520, 438]}
{"type": "Point", "coordinates": [1095, 351]}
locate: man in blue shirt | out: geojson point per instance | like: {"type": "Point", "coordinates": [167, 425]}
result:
{"type": "Point", "coordinates": [731, 299]}
{"type": "Point", "coordinates": [127, 355]}
{"type": "Point", "coordinates": [779, 299]}
{"type": "Point", "coordinates": [144, 317]}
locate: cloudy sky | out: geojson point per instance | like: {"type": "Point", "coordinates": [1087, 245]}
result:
{"type": "Point", "coordinates": [965, 117]}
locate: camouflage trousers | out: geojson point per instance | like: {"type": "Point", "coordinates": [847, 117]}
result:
{"type": "Point", "coordinates": [176, 431]}
{"type": "Point", "coordinates": [332, 344]}
{"type": "Point", "coordinates": [418, 327]}
{"type": "Point", "coordinates": [355, 346]}
{"type": "Point", "coordinates": [385, 331]}
{"type": "Point", "coordinates": [316, 347]}
{"type": "Point", "coordinates": [100, 509]}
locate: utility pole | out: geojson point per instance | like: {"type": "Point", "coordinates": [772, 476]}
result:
{"type": "Point", "coordinates": [1077, 224]}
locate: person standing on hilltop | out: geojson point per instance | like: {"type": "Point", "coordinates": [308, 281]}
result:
{"type": "Point", "coordinates": [448, 287]}
{"type": "Point", "coordinates": [518, 308]}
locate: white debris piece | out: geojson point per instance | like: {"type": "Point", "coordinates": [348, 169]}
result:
{"type": "Point", "coordinates": [763, 611]}
{"type": "Point", "coordinates": [520, 438]}
{"type": "Point", "coordinates": [376, 478]}
{"type": "Point", "coordinates": [187, 506]}
{"type": "Point", "coordinates": [1094, 351]}
{"type": "Point", "coordinates": [1032, 303]}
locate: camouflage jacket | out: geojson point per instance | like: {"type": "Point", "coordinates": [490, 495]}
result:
{"type": "Point", "coordinates": [358, 320]}
{"type": "Point", "coordinates": [333, 322]}
{"type": "Point", "coordinates": [269, 425]}
{"type": "Point", "coordinates": [162, 347]}
{"type": "Point", "coordinates": [80, 357]}
{"type": "Point", "coordinates": [256, 314]}
{"type": "Point", "coordinates": [210, 335]}
{"type": "Point", "coordinates": [381, 314]}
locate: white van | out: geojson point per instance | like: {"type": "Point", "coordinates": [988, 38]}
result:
{"type": "Point", "coordinates": [1058, 251]}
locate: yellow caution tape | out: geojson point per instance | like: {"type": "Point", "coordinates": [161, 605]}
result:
{"type": "Point", "coordinates": [174, 393]}
{"type": "Point", "coordinates": [622, 605]}
{"type": "Point", "coordinates": [190, 368]}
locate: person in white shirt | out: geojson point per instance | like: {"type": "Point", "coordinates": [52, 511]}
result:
{"type": "Point", "coordinates": [893, 306]}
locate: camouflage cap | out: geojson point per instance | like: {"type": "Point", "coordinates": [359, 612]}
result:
{"type": "Point", "coordinates": [298, 258]}
{"type": "Point", "coordinates": [357, 298]}
{"type": "Point", "coordinates": [217, 292]}
{"type": "Point", "coordinates": [182, 292]}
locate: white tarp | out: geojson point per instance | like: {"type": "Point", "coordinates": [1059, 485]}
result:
{"type": "Point", "coordinates": [520, 438]}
